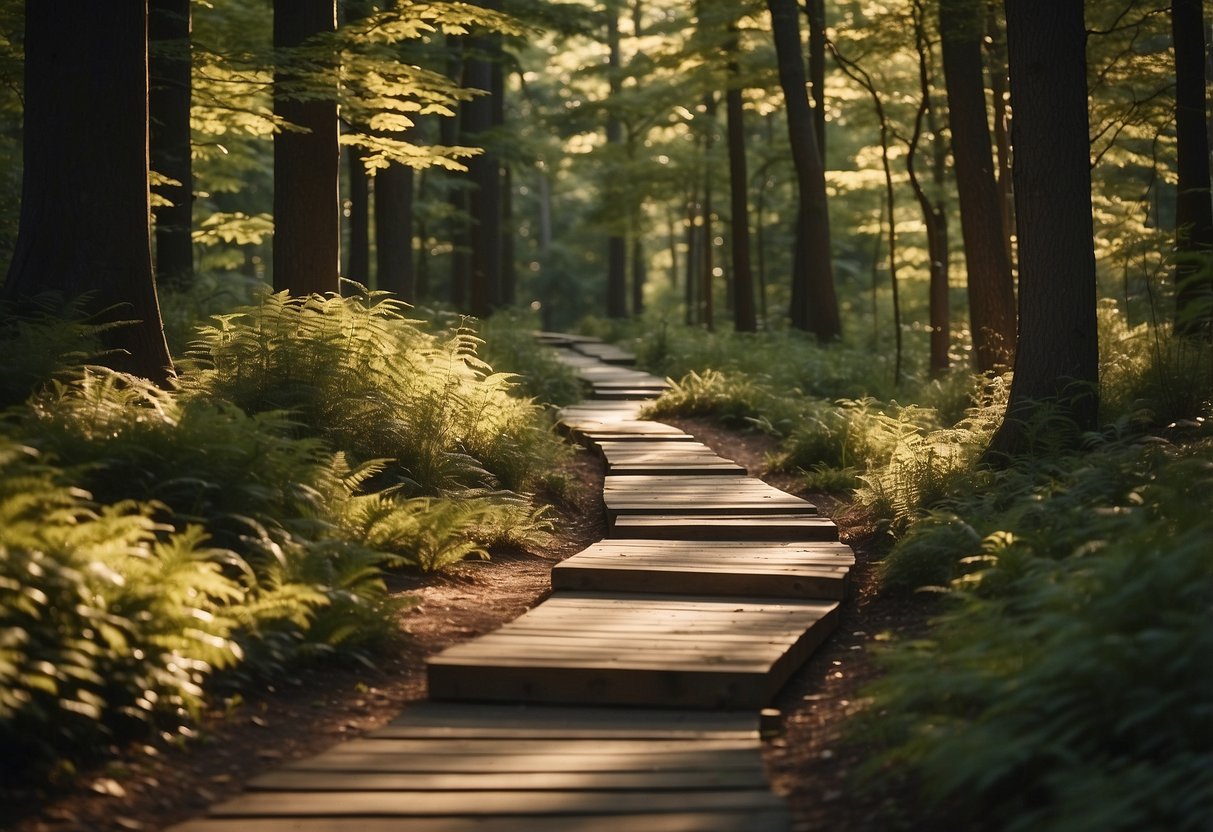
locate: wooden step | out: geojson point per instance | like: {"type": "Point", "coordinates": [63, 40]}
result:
{"type": "Point", "coordinates": [664, 457]}
{"type": "Point", "coordinates": [769, 570]}
{"type": "Point", "coordinates": [698, 495]}
{"type": "Point", "coordinates": [738, 527]}
{"type": "Point", "coordinates": [690, 819]}
{"type": "Point", "coordinates": [643, 650]}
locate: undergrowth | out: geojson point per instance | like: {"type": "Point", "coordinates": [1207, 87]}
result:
{"type": "Point", "coordinates": [157, 545]}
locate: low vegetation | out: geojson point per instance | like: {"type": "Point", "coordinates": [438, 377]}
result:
{"type": "Point", "coordinates": [157, 545]}
{"type": "Point", "coordinates": [1063, 683]}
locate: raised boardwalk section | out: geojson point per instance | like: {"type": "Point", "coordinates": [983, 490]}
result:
{"type": "Point", "coordinates": [630, 697]}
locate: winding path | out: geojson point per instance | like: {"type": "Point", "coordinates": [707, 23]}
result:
{"type": "Point", "coordinates": [632, 697]}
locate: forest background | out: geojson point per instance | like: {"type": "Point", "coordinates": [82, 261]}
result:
{"type": "Point", "coordinates": [811, 217]}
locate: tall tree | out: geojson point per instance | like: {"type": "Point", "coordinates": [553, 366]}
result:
{"type": "Point", "coordinates": [815, 13]}
{"type": "Point", "coordinates": [744, 319]}
{"type": "Point", "coordinates": [307, 228]}
{"type": "Point", "coordinates": [934, 213]}
{"type": "Point", "coordinates": [169, 93]}
{"type": "Point", "coordinates": [358, 258]}
{"type": "Point", "coordinates": [1057, 353]}
{"type": "Point", "coordinates": [617, 289]}
{"type": "Point", "coordinates": [1193, 210]}
{"type": "Point", "coordinates": [991, 290]}
{"type": "Point", "coordinates": [814, 302]}
{"type": "Point", "coordinates": [84, 198]}
{"type": "Point", "coordinates": [395, 270]}
{"type": "Point", "coordinates": [484, 173]}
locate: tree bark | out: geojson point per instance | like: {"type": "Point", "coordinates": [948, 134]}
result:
{"type": "Point", "coordinates": [934, 214]}
{"type": "Point", "coordinates": [744, 319]}
{"type": "Point", "coordinates": [815, 12]}
{"type": "Point", "coordinates": [84, 198]}
{"type": "Point", "coordinates": [307, 230]}
{"type": "Point", "coordinates": [1057, 355]}
{"type": "Point", "coordinates": [991, 291]}
{"type": "Point", "coordinates": [484, 172]}
{"type": "Point", "coordinates": [617, 279]}
{"type": "Point", "coordinates": [169, 91]}
{"type": "Point", "coordinates": [815, 302]}
{"type": "Point", "coordinates": [1193, 209]}
{"type": "Point", "coordinates": [359, 257]}
{"type": "Point", "coordinates": [394, 266]}
{"type": "Point", "coordinates": [996, 47]}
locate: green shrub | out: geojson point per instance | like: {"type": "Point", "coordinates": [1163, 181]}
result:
{"type": "Point", "coordinates": [1068, 687]}
{"type": "Point", "coordinates": [109, 622]}
{"type": "Point", "coordinates": [732, 399]}
{"type": "Point", "coordinates": [359, 374]}
{"type": "Point", "coordinates": [511, 347]}
{"type": "Point", "coordinates": [42, 343]}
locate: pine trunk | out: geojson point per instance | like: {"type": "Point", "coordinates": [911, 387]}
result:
{"type": "Point", "coordinates": [307, 230]}
{"type": "Point", "coordinates": [85, 203]}
{"type": "Point", "coordinates": [991, 290]}
{"type": "Point", "coordinates": [394, 231]}
{"type": "Point", "coordinates": [815, 301]}
{"type": "Point", "coordinates": [169, 91]}
{"type": "Point", "coordinates": [1193, 209]}
{"type": "Point", "coordinates": [1057, 355]}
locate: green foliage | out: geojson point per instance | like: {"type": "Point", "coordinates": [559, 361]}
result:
{"type": "Point", "coordinates": [510, 346]}
{"type": "Point", "coordinates": [111, 622]}
{"type": "Point", "coordinates": [1067, 686]}
{"type": "Point", "coordinates": [359, 374]}
{"type": "Point", "coordinates": [42, 342]}
{"type": "Point", "coordinates": [731, 398]}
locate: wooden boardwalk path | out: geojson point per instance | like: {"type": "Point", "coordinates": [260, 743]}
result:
{"type": "Point", "coordinates": [630, 698]}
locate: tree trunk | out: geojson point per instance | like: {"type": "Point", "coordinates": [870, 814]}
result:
{"type": "Point", "coordinates": [509, 255]}
{"type": "Point", "coordinates": [394, 231]}
{"type": "Point", "coordinates": [815, 12]}
{"type": "Point", "coordinates": [1193, 210]}
{"type": "Point", "coordinates": [359, 257]}
{"type": "Point", "coordinates": [991, 291]}
{"type": "Point", "coordinates": [744, 319]}
{"type": "Point", "coordinates": [1057, 355]}
{"type": "Point", "coordinates": [307, 230]}
{"type": "Point", "coordinates": [484, 172]}
{"type": "Point", "coordinates": [996, 46]}
{"type": "Point", "coordinates": [169, 91]}
{"type": "Point", "coordinates": [934, 214]}
{"type": "Point", "coordinates": [640, 273]}
{"type": "Point", "coordinates": [84, 197]}
{"type": "Point", "coordinates": [813, 279]}
{"type": "Point", "coordinates": [617, 278]}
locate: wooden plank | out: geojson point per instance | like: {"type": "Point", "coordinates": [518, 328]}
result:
{"type": "Point", "coordinates": [691, 820]}
{"type": "Point", "coordinates": [641, 650]}
{"type": "Point", "coordinates": [721, 527]}
{"type": "Point", "coordinates": [340, 759]}
{"type": "Point", "coordinates": [757, 569]}
{"type": "Point", "coordinates": [489, 803]}
{"type": "Point", "coordinates": [607, 747]}
{"type": "Point", "coordinates": [605, 781]}
{"type": "Point", "coordinates": [444, 719]}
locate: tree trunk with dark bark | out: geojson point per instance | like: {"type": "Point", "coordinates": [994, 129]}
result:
{"type": "Point", "coordinates": [307, 230]}
{"type": "Point", "coordinates": [394, 267]}
{"type": "Point", "coordinates": [744, 319]}
{"type": "Point", "coordinates": [85, 203]}
{"type": "Point", "coordinates": [1193, 209]}
{"type": "Point", "coordinates": [815, 12]}
{"type": "Point", "coordinates": [1057, 355]}
{"type": "Point", "coordinates": [358, 259]}
{"type": "Point", "coordinates": [169, 92]}
{"type": "Point", "coordinates": [617, 277]}
{"type": "Point", "coordinates": [815, 306]}
{"type": "Point", "coordinates": [484, 173]}
{"type": "Point", "coordinates": [991, 290]}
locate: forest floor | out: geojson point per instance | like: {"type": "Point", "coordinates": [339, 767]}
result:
{"type": "Point", "coordinates": [811, 761]}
